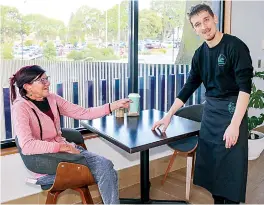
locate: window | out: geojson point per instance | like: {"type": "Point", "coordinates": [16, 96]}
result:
{"type": "Point", "coordinates": [166, 44]}
{"type": "Point", "coordinates": [84, 47]}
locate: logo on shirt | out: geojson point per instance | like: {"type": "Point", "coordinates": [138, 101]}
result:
{"type": "Point", "coordinates": [231, 107]}
{"type": "Point", "coordinates": [221, 60]}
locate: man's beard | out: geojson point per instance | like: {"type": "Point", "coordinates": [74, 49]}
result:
{"type": "Point", "coordinates": [212, 38]}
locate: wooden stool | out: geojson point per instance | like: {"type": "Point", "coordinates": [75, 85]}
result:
{"type": "Point", "coordinates": [71, 176]}
{"type": "Point", "coordinates": [68, 175]}
{"type": "Point", "coordinates": [186, 147]}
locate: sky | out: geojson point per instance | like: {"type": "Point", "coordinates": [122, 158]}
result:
{"type": "Point", "coordinates": [62, 9]}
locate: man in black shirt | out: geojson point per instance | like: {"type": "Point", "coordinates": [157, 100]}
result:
{"type": "Point", "coordinates": [223, 64]}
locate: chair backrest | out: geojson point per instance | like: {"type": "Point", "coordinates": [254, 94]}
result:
{"type": "Point", "coordinates": [72, 135]}
{"type": "Point", "coordinates": [192, 112]}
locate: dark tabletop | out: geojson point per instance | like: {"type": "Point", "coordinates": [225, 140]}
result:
{"type": "Point", "coordinates": [134, 134]}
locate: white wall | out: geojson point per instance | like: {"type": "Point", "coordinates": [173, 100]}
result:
{"type": "Point", "coordinates": [248, 25]}
{"type": "Point", "coordinates": [14, 173]}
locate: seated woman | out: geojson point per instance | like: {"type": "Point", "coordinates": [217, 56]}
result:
{"type": "Point", "coordinates": [36, 117]}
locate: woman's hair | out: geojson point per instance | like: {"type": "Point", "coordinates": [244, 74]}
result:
{"type": "Point", "coordinates": [24, 75]}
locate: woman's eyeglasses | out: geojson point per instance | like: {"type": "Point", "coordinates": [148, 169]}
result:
{"type": "Point", "coordinates": [42, 80]}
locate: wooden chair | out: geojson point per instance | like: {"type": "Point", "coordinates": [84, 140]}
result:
{"type": "Point", "coordinates": [71, 176]}
{"type": "Point", "coordinates": [68, 175]}
{"type": "Point", "coordinates": [187, 146]}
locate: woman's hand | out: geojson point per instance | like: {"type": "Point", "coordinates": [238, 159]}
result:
{"type": "Point", "coordinates": [123, 103]}
{"type": "Point", "coordinates": [165, 121]}
{"type": "Point", "coordinates": [231, 135]}
{"type": "Point", "coordinates": [69, 149]}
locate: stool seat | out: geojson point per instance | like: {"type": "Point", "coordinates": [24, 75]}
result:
{"type": "Point", "coordinates": [184, 145]}
{"type": "Point", "coordinates": [46, 187]}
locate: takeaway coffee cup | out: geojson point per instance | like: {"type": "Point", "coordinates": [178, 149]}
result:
{"type": "Point", "coordinates": [134, 107]}
{"type": "Point", "coordinates": [120, 112]}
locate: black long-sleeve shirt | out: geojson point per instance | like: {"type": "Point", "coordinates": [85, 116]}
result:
{"type": "Point", "coordinates": [224, 69]}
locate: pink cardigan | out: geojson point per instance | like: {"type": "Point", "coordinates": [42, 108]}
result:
{"type": "Point", "coordinates": [27, 127]}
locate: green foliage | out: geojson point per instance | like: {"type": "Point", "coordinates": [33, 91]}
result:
{"type": "Point", "coordinates": [259, 74]}
{"type": "Point", "coordinates": [85, 21]}
{"type": "Point", "coordinates": [112, 22]}
{"type": "Point", "coordinates": [158, 50]}
{"type": "Point", "coordinates": [10, 23]}
{"type": "Point", "coordinates": [93, 53]}
{"type": "Point", "coordinates": [28, 42]}
{"type": "Point", "coordinates": [73, 40]}
{"type": "Point", "coordinates": [149, 21]}
{"type": "Point", "coordinates": [256, 98]}
{"type": "Point", "coordinates": [49, 51]}
{"type": "Point", "coordinates": [77, 55]}
{"type": "Point", "coordinates": [90, 23]}
{"type": "Point", "coordinates": [254, 121]}
{"type": "Point", "coordinates": [45, 28]}
{"type": "Point", "coordinates": [145, 52]}
{"type": "Point", "coordinates": [256, 101]}
{"type": "Point", "coordinates": [6, 51]}
{"type": "Point", "coordinates": [172, 14]}
{"type": "Point", "coordinates": [190, 41]}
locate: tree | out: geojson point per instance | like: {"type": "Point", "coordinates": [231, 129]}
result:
{"type": "Point", "coordinates": [49, 51]}
{"type": "Point", "coordinates": [150, 25]}
{"type": "Point", "coordinates": [6, 51]}
{"type": "Point", "coordinates": [172, 14]}
{"type": "Point", "coordinates": [45, 28]}
{"type": "Point", "coordinates": [190, 41]}
{"type": "Point", "coordinates": [10, 23]}
{"type": "Point", "coordinates": [112, 21]}
{"type": "Point", "coordinates": [86, 21]}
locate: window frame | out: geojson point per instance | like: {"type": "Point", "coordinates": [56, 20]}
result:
{"type": "Point", "coordinates": [133, 13]}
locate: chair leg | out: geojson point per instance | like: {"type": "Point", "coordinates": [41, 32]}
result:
{"type": "Point", "coordinates": [189, 175]}
{"type": "Point", "coordinates": [193, 163]}
{"type": "Point", "coordinates": [85, 195]}
{"type": "Point", "coordinates": [169, 166]}
{"type": "Point", "coordinates": [52, 197]}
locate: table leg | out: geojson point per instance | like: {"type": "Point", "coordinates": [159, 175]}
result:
{"type": "Point", "coordinates": [145, 185]}
{"type": "Point", "coordinates": [144, 176]}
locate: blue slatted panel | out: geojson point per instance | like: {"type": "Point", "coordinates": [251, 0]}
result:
{"type": "Point", "coordinates": [103, 92]}
{"type": "Point", "coordinates": [141, 91]}
{"type": "Point", "coordinates": [190, 101]}
{"type": "Point", "coordinates": [179, 78]}
{"type": "Point", "coordinates": [128, 87]}
{"type": "Point", "coordinates": [171, 90]}
{"type": "Point", "coordinates": [75, 99]}
{"type": "Point", "coordinates": [117, 90]}
{"type": "Point", "coordinates": [60, 93]}
{"type": "Point", "coordinates": [89, 90]}
{"type": "Point", "coordinates": [161, 92]}
{"type": "Point", "coordinates": [7, 113]}
{"type": "Point", "coordinates": [151, 93]}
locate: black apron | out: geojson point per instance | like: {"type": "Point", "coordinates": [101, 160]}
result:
{"type": "Point", "coordinates": [221, 171]}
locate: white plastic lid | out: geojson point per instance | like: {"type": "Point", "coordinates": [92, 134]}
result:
{"type": "Point", "coordinates": [134, 95]}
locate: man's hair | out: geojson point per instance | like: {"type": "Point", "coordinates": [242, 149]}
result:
{"type": "Point", "coordinates": [197, 9]}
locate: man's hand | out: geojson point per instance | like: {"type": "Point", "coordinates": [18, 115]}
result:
{"type": "Point", "coordinates": [69, 149]}
{"type": "Point", "coordinates": [231, 135]}
{"type": "Point", "coordinates": [165, 121]}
